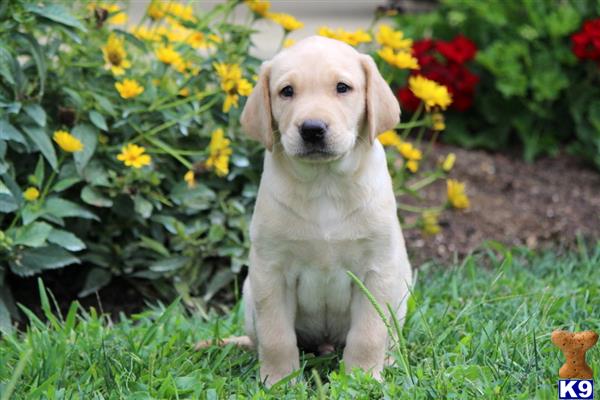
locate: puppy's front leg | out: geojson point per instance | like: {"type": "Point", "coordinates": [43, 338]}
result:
{"type": "Point", "coordinates": [366, 341]}
{"type": "Point", "coordinates": [274, 307]}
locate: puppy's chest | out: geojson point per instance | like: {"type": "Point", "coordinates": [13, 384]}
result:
{"type": "Point", "coordinates": [316, 289]}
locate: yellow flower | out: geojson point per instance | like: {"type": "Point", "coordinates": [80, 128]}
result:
{"type": "Point", "coordinates": [117, 16]}
{"type": "Point", "coordinates": [410, 152]}
{"type": "Point", "coordinates": [190, 178]}
{"type": "Point", "coordinates": [388, 37]}
{"type": "Point", "coordinates": [219, 150]}
{"type": "Point", "coordinates": [67, 142]}
{"type": "Point", "coordinates": [156, 10]}
{"type": "Point", "coordinates": [259, 7]}
{"type": "Point", "coordinates": [352, 38]}
{"type": "Point", "coordinates": [232, 84]}
{"type": "Point", "coordinates": [168, 55]}
{"type": "Point", "coordinates": [102, 139]}
{"type": "Point", "coordinates": [430, 222]}
{"type": "Point", "coordinates": [129, 88]}
{"type": "Point", "coordinates": [288, 22]}
{"type": "Point", "coordinates": [402, 59]}
{"type": "Point", "coordinates": [432, 93]}
{"type": "Point", "coordinates": [182, 11]}
{"type": "Point", "coordinates": [456, 194]}
{"type": "Point", "coordinates": [198, 40]}
{"type": "Point", "coordinates": [448, 162]}
{"type": "Point", "coordinates": [184, 92]}
{"type": "Point", "coordinates": [115, 55]}
{"type": "Point", "coordinates": [438, 123]}
{"type": "Point", "coordinates": [231, 100]}
{"type": "Point", "coordinates": [244, 87]}
{"type": "Point", "coordinates": [412, 166]}
{"type": "Point", "coordinates": [143, 33]}
{"type": "Point", "coordinates": [133, 155]}
{"type": "Point", "coordinates": [31, 194]}
{"type": "Point", "coordinates": [288, 43]}
{"type": "Point", "coordinates": [389, 138]}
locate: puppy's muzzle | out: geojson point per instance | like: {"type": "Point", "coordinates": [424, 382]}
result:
{"type": "Point", "coordinates": [313, 131]}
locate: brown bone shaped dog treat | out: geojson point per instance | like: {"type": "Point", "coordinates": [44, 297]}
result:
{"type": "Point", "coordinates": [574, 346]}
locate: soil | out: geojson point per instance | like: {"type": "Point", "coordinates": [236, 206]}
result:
{"type": "Point", "coordinates": [541, 205]}
{"type": "Point", "coordinates": [549, 203]}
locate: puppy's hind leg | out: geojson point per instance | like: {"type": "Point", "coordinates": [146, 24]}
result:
{"type": "Point", "coordinates": [243, 342]}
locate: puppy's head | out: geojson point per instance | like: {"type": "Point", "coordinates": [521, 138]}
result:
{"type": "Point", "coordinates": [322, 96]}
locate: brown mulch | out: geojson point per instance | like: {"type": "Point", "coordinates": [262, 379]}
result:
{"type": "Point", "coordinates": [542, 205]}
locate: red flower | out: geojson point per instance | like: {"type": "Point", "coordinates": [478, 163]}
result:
{"type": "Point", "coordinates": [444, 62]}
{"type": "Point", "coordinates": [408, 100]}
{"type": "Point", "coordinates": [586, 43]}
{"type": "Point", "coordinates": [459, 50]}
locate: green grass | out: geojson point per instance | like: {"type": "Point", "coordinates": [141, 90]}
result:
{"type": "Point", "coordinates": [477, 330]}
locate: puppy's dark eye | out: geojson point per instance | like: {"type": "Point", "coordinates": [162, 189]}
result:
{"type": "Point", "coordinates": [343, 88]}
{"type": "Point", "coordinates": [287, 91]}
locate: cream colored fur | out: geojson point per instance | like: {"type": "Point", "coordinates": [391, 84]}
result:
{"type": "Point", "coordinates": [318, 217]}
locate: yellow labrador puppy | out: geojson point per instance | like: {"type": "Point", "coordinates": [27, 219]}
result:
{"type": "Point", "coordinates": [325, 206]}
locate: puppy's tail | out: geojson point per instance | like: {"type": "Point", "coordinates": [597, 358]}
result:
{"type": "Point", "coordinates": [243, 342]}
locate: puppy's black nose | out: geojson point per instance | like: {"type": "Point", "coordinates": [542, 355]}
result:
{"type": "Point", "coordinates": [313, 130]}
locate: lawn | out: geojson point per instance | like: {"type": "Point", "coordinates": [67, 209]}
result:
{"type": "Point", "coordinates": [479, 329]}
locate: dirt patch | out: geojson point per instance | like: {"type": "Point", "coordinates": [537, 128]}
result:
{"type": "Point", "coordinates": [540, 205]}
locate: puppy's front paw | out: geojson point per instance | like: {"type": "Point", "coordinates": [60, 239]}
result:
{"type": "Point", "coordinates": [271, 375]}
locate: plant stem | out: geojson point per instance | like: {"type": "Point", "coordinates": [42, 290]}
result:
{"type": "Point", "coordinates": [424, 182]}
{"type": "Point", "coordinates": [162, 146]}
{"type": "Point", "coordinates": [169, 124]}
{"type": "Point", "coordinates": [178, 102]}
{"type": "Point", "coordinates": [415, 209]}
{"type": "Point", "coordinates": [414, 118]}
{"type": "Point", "coordinates": [410, 125]}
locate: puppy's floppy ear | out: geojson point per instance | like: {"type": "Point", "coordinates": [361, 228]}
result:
{"type": "Point", "coordinates": [256, 117]}
{"type": "Point", "coordinates": [383, 110]}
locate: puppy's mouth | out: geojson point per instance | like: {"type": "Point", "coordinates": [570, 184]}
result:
{"type": "Point", "coordinates": [317, 155]}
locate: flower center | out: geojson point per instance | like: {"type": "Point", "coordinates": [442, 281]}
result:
{"type": "Point", "coordinates": [115, 57]}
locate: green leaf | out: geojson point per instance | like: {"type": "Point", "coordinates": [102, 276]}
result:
{"type": "Point", "coordinates": [66, 183]}
{"type": "Point", "coordinates": [7, 305]}
{"type": "Point", "coordinates": [154, 245]}
{"type": "Point", "coordinates": [7, 63]}
{"type": "Point", "coordinates": [74, 96]}
{"type": "Point", "coordinates": [93, 197]}
{"type": "Point", "coordinates": [56, 13]}
{"type": "Point", "coordinates": [39, 137]}
{"type": "Point", "coordinates": [89, 137]}
{"type": "Point", "coordinates": [7, 203]}
{"type": "Point", "coordinates": [95, 280]}
{"type": "Point", "coordinates": [98, 120]}
{"type": "Point", "coordinates": [168, 264]}
{"type": "Point", "coordinates": [66, 240]}
{"type": "Point", "coordinates": [563, 20]}
{"type": "Point", "coordinates": [216, 233]}
{"type": "Point", "coordinates": [28, 262]}
{"type": "Point", "coordinates": [594, 116]}
{"type": "Point", "coordinates": [9, 132]}
{"type": "Point", "coordinates": [37, 113]}
{"type": "Point", "coordinates": [142, 206]}
{"type": "Point", "coordinates": [104, 104]}
{"type": "Point", "coordinates": [32, 235]}
{"type": "Point", "coordinates": [64, 208]}
{"type": "Point", "coordinates": [39, 172]}
{"type": "Point", "coordinates": [38, 56]}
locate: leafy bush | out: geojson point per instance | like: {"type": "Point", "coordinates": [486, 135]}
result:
{"type": "Point", "coordinates": [532, 86]}
{"type": "Point", "coordinates": [149, 175]}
